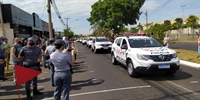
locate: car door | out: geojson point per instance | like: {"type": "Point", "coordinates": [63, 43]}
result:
{"type": "Point", "coordinates": [93, 43]}
{"type": "Point", "coordinates": [123, 51]}
{"type": "Point", "coordinates": [118, 49]}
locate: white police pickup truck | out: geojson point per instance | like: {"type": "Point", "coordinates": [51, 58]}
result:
{"type": "Point", "coordinates": [143, 55]}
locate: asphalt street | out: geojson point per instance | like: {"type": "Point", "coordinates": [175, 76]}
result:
{"type": "Point", "coordinates": [95, 78]}
{"type": "Point", "coordinates": [184, 45]}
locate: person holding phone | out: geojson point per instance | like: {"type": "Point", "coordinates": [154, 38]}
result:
{"type": "Point", "coordinates": [62, 76]}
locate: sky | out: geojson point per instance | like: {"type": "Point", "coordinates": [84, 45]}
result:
{"type": "Point", "coordinates": [79, 10]}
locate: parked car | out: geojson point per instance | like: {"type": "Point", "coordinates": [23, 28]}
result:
{"type": "Point", "coordinates": [84, 41]}
{"type": "Point", "coordinates": [89, 41]}
{"type": "Point", "coordinates": [142, 55]}
{"type": "Point", "coordinates": [101, 44]}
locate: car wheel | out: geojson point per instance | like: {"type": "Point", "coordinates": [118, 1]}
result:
{"type": "Point", "coordinates": [113, 59]}
{"type": "Point", "coordinates": [131, 70]}
{"type": "Point", "coordinates": [92, 49]}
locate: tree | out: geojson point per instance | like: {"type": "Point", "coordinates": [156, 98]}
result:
{"type": "Point", "coordinates": [179, 22]}
{"type": "Point", "coordinates": [158, 30]}
{"type": "Point", "coordinates": [191, 22]}
{"type": "Point", "coordinates": [167, 22]}
{"type": "Point", "coordinates": [124, 29]}
{"type": "Point", "coordinates": [115, 14]}
{"type": "Point", "coordinates": [99, 31]}
{"type": "Point", "coordinates": [68, 33]}
{"type": "Point", "coordinates": [134, 30]}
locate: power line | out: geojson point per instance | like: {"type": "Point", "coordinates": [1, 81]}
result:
{"type": "Point", "coordinates": [43, 8]}
{"type": "Point", "coordinates": [160, 7]}
{"type": "Point", "coordinates": [57, 12]}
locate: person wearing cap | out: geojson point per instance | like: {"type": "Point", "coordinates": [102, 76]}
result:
{"type": "Point", "coordinates": [49, 50]}
{"type": "Point", "coordinates": [62, 75]}
{"type": "Point", "coordinates": [31, 56]}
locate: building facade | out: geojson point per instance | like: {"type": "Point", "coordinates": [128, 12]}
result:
{"type": "Point", "coordinates": [18, 23]}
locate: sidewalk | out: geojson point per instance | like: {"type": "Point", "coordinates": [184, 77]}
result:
{"type": "Point", "coordinates": [191, 64]}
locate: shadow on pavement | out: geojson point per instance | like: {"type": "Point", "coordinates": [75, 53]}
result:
{"type": "Point", "coordinates": [179, 75]}
{"type": "Point", "coordinates": [77, 85]}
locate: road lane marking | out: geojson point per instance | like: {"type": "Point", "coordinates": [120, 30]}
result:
{"type": "Point", "coordinates": [91, 71]}
{"type": "Point", "coordinates": [103, 91]}
{"type": "Point", "coordinates": [42, 78]}
{"type": "Point", "coordinates": [193, 82]}
{"type": "Point", "coordinates": [186, 89]}
{"type": "Point", "coordinates": [94, 79]}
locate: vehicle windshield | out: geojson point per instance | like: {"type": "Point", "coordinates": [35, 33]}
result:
{"type": "Point", "coordinates": [90, 39]}
{"type": "Point", "coordinates": [143, 42]}
{"type": "Point", "coordinates": [102, 40]}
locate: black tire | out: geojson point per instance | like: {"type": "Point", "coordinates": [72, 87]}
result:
{"type": "Point", "coordinates": [92, 49]}
{"type": "Point", "coordinates": [131, 70]}
{"type": "Point", "coordinates": [113, 59]}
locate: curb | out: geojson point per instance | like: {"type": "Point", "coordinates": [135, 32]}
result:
{"type": "Point", "coordinates": [191, 64]}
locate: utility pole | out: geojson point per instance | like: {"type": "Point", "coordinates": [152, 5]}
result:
{"type": "Point", "coordinates": [146, 14]}
{"type": "Point", "coordinates": [49, 17]}
{"type": "Point", "coordinates": [67, 28]}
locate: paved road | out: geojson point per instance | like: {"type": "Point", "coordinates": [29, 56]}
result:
{"type": "Point", "coordinates": [186, 46]}
{"type": "Point", "coordinates": [95, 78]}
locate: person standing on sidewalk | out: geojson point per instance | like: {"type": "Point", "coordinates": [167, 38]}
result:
{"type": "Point", "coordinates": [2, 56]}
{"type": "Point", "coordinates": [63, 75]}
{"type": "Point", "coordinates": [197, 32]}
{"type": "Point", "coordinates": [15, 53]}
{"type": "Point", "coordinates": [49, 50]}
{"type": "Point", "coordinates": [31, 56]}
{"type": "Point", "coordinates": [166, 40]}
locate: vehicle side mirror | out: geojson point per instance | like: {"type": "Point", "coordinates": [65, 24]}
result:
{"type": "Point", "coordinates": [124, 46]}
{"type": "Point", "coordinates": [93, 41]}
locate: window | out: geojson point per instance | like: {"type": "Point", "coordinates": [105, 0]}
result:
{"type": "Point", "coordinates": [119, 41]}
{"type": "Point", "coordinates": [102, 40]}
{"type": "Point", "coordinates": [116, 41]}
{"type": "Point", "coordinates": [143, 42]}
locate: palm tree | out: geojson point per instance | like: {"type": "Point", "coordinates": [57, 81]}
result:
{"type": "Point", "coordinates": [191, 21]}
{"type": "Point", "coordinates": [179, 22]}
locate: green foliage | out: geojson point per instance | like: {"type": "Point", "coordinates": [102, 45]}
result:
{"type": "Point", "coordinates": [99, 31]}
{"type": "Point", "coordinates": [68, 33]}
{"type": "Point", "coordinates": [115, 14]}
{"type": "Point", "coordinates": [134, 30]}
{"type": "Point", "coordinates": [124, 29]}
{"type": "Point", "coordinates": [179, 22]}
{"type": "Point", "coordinates": [158, 31]}
{"type": "Point", "coordinates": [167, 22]}
{"type": "Point", "coordinates": [191, 20]}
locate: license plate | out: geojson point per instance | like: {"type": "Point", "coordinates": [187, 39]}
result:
{"type": "Point", "coordinates": [105, 47]}
{"type": "Point", "coordinates": [163, 66]}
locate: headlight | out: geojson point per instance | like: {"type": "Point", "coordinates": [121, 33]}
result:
{"type": "Point", "coordinates": [142, 57]}
{"type": "Point", "coordinates": [174, 55]}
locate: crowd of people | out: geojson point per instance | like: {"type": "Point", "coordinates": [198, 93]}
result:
{"type": "Point", "coordinates": [34, 52]}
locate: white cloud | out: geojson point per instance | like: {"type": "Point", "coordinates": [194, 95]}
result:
{"type": "Point", "coordinates": [150, 5]}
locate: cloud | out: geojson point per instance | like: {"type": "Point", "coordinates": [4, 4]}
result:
{"type": "Point", "coordinates": [150, 5]}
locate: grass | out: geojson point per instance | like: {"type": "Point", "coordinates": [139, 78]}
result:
{"type": "Point", "coordinates": [188, 55]}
